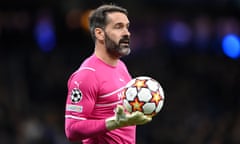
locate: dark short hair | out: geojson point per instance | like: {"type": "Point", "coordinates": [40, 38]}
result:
{"type": "Point", "coordinates": [98, 18]}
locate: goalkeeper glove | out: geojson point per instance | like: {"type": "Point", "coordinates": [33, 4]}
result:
{"type": "Point", "coordinates": [122, 119]}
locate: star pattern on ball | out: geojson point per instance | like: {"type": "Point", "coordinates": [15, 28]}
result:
{"type": "Point", "coordinates": [140, 84]}
{"type": "Point", "coordinates": [137, 105]}
{"type": "Point", "coordinates": [156, 97]}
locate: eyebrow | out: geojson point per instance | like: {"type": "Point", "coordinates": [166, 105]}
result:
{"type": "Point", "coordinates": [122, 23]}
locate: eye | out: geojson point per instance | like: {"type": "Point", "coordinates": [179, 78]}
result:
{"type": "Point", "coordinates": [118, 26]}
{"type": "Point", "coordinates": [121, 26]}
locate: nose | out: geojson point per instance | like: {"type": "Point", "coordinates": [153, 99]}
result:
{"type": "Point", "coordinates": [126, 32]}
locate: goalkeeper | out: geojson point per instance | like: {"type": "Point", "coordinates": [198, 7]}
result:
{"type": "Point", "coordinates": [94, 114]}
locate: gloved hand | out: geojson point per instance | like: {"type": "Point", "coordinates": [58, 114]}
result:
{"type": "Point", "coordinates": [122, 119]}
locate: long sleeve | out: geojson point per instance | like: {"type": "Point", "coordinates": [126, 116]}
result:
{"type": "Point", "coordinates": [77, 130]}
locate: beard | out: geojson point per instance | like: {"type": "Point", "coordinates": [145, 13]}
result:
{"type": "Point", "coordinates": [119, 49]}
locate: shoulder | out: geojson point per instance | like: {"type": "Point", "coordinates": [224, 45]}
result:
{"type": "Point", "coordinates": [86, 72]}
{"type": "Point", "coordinates": [83, 74]}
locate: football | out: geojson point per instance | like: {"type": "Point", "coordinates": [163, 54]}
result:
{"type": "Point", "coordinates": [143, 94]}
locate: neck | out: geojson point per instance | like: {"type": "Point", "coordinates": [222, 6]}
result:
{"type": "Point", "coordinates": [101, 53]}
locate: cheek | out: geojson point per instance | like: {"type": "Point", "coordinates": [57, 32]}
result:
{"type": "Point", "coordinates": [114, 37]}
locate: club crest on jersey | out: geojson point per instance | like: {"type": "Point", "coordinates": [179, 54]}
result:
{"type": "Point", "coordinates": [76, 95]}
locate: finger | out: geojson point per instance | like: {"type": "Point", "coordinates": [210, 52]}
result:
{"type": "Point", "coordinates": [148, 118]}
{"type": "Point", "coordinates": [119, 109]}
{"type": "Point", "coordinates": [120, 114]}
{"type": "Point", "coordinates": [138, 114]}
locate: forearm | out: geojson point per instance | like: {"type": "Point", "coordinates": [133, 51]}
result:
{"type": "Point", "coordinates": [77, 130]}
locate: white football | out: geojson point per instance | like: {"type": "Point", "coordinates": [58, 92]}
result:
{"type": "Point", "coordinates": [143, 94]}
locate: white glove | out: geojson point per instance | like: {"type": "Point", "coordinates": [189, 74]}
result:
{"type": "Point", "coordinates": [122, 119]}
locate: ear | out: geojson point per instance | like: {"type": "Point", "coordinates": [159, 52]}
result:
{"type": "Point", "coordinates": [99, 33]}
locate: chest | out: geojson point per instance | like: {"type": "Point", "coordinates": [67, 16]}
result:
{"type": "Point", "coordinates": [110, 86]}
{"type": "Point", "coordinates": [113, 81]}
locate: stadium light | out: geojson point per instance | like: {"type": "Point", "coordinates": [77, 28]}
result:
{"type": "Point", "coordinates": [231, 46]}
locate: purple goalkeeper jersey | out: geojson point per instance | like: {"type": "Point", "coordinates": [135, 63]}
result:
{"type": "Point", "coordinates": [94, 91]}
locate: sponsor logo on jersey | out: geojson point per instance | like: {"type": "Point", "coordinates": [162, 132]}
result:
{"type": "Point", "coordinates": [74, 108]}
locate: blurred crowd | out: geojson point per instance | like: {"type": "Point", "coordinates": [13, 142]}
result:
{"type": "Point", "coordinates": [201, 85]}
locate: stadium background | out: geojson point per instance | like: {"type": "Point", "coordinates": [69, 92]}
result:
{"type": "Point", "coordinates": [191, 47]}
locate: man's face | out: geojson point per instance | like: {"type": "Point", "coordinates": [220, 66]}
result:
{"type": "Point", "coordinates": [117, 36]}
